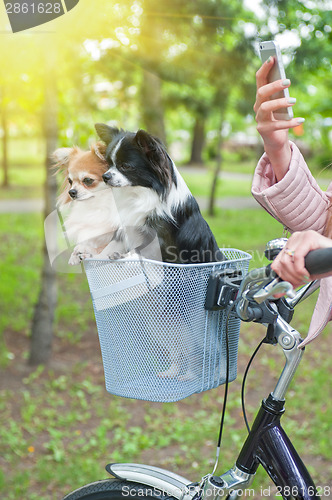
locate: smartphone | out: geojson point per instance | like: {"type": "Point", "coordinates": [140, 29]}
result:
{"type": "Point", "coordinates": [266, 50]}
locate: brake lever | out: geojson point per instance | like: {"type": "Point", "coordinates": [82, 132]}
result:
{"type": "Point", "coordinates": [275, 287]}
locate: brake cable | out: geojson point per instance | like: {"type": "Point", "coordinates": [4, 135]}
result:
{"type": "Point", "coordinates": [222, 418]}
{"type": "Point", "coordinates": [244, 413]}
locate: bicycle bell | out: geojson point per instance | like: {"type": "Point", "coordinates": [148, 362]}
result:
{"type": "Point", "coordinates": [273, 247]}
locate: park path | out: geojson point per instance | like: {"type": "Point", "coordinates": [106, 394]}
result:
{"type": "Point", "coordinates": [36, 205]}
{"type": "Point", "coordinates": [232, 202]}
{"type": "Point", "coordinates": [21, 206]}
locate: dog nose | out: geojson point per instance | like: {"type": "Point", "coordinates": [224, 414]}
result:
{"type": "Point", "coordinates": [107, 177]}
{"type": "Point", "coordinates": [73, 193]}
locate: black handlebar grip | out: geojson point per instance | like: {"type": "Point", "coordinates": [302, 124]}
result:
{"type": "Point", "coordinates": [319, 261]}
{"type": "Point", "coordinates": [316, 262]}
{"type": "Point", "coordinates": [270, 273]}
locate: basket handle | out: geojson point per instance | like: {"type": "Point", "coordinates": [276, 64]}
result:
{"type": "Point", "coordinates": [119, 286]}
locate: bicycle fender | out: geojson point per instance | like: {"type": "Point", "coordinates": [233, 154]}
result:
{"type": "Point", "coordinates": [160, 479]}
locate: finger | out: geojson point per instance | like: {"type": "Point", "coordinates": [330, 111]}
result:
{"type": "Point", "coordinates": [262, 80]}
{"type": "Point", "coordinates": [266, 91]}
{"type": "Point", "coordinates": [287, 275]}
{"type": "Point", "coordinates": [284, 266]}
{"type": "Point", "coordinates": [263, 72]}
{"type": "Point", "coordinates": [290, 268]}
{"type": "Point", "coordinates": [267, 107]}
{"type": "Point", "coordinates": [272, 125]}
{"type": "Point", "coordinates": [299, 269]}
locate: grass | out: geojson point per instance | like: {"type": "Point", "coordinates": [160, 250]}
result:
{"type": "Point", "coordinates": [59, 426]}
{"type": "Point", "coordinates": [25, 152]}
{"type": "Point", "coordinates": [20, 269]}
{"type": "Point", "coordinates": [25, 183]}
{"type": "Point", "coordinates": [26, 169]}
{"type": "Point", "coordinates": [200, 184]}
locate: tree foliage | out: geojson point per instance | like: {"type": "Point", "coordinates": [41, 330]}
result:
{"type": "Point", "coordinates": [310, 23]}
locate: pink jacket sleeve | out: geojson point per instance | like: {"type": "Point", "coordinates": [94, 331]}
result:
{"type": "Point", "coordinates": [297, 201]}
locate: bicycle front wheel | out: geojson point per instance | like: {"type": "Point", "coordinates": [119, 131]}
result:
{"type": "Point", "coordinates": [117, 489]}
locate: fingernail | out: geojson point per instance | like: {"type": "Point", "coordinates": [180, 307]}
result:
{"type": "Point", "coordinates": [292, 100]}
{"type": "Point", "coordinates": [300, 120]}
{"type": "Point", "coordinates": [270, 59]}
{"type": "Point", "coordinates": [286, 82]}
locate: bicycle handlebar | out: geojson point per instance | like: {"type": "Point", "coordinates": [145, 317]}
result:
{"type": "Point", "coordinates": [316, 262]}
{"type": "Point", "coordinates": [319, 261]}
{"type": "Point", "coordinates": [257, 286]}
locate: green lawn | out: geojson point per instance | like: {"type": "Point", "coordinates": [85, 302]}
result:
{"type": "Point", "coordinates": [24, 182]}
{"type": "Point", "coordinates": [200, 185]}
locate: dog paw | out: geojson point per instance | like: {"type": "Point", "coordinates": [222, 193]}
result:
{"type": "Point", "coordinates": [78, 255]}
{"type": "Point", "coordinates": [132, 255]}
{"type": "Point", "coordinates": [116, 256]}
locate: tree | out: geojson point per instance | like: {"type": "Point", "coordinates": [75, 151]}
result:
{"type": "Point", "coordinates": [310, 66]}
{"type": "Point", "coordinates": [189, 49]}
{"type": "Point", "coordinates": [5, 136]}
{"type": "Point", "coordinates": [42, 323]}
{"type": "Point", "coordinates": [198, 140]}
{"type": "Point", "coordinates": [218, 164]}
{"type": "Point", "coordinates": [151, 87]}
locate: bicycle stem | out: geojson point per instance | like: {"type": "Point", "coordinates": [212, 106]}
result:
{"type": "Point", "coordinates": [289, 339]}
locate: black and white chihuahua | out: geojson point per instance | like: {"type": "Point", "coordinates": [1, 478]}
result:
{"type": "Point", "coordinates": [154, 199]}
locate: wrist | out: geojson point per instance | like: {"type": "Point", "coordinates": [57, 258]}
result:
{"type": "Point", "coordinates": [280, 159]}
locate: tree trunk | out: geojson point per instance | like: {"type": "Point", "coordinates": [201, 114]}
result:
{"type": "Point", "coordinates": [4, 126]}
{"type": "Point", "coordinates": [150, 94]}
{"type": "Point", "coordinates": [43, 319]}
{"type": "Point", "coordinates": [217, 170]}
{"type": "Point", "coordinates": [198, 141]}
{"type": "Point", "coordinates": [152, 108]}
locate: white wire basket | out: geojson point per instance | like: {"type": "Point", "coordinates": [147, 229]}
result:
{"type": "Point", "coordinates": [158, 342]}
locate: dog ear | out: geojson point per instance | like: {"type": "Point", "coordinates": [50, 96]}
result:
{"type": "Point", "coordinates": [145, 141]}
{"type": "Point", "coordinates": [105, 132]}
{"type": "Point", "coordinates": [61, 156]}
{"type": "Point", "coordinates": [61, 159]}
{"type": "Point", "coordinates": [157, 156]}
{"type": "Point", "coordinates": [99, 149]}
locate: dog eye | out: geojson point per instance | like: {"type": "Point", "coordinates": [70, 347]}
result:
{"type": "Point", "coordinates": [126, 166]}
{"type": "Point", "coordinates": [87, 181]}
{"type": "Point", "coordinates": [70, 181]}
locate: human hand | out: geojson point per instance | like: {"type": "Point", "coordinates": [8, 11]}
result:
{"type": "Point", "coordinates": [289, 264]}
{"type": "Point", "coordinates": [274, 132]}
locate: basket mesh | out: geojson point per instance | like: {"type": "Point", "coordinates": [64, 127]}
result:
{"type": "Point", "coordinates": [158, 343]}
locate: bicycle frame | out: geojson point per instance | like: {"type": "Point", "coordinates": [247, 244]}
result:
{"type": "Point", "coordinates": [267, 444]}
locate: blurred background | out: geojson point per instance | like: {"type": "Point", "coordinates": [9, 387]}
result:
{"type": "Point", "coordinates": [184, 71]}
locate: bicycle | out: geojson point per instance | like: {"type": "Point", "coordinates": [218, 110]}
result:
{"type": "Point", "coordinates": [250, 298]}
